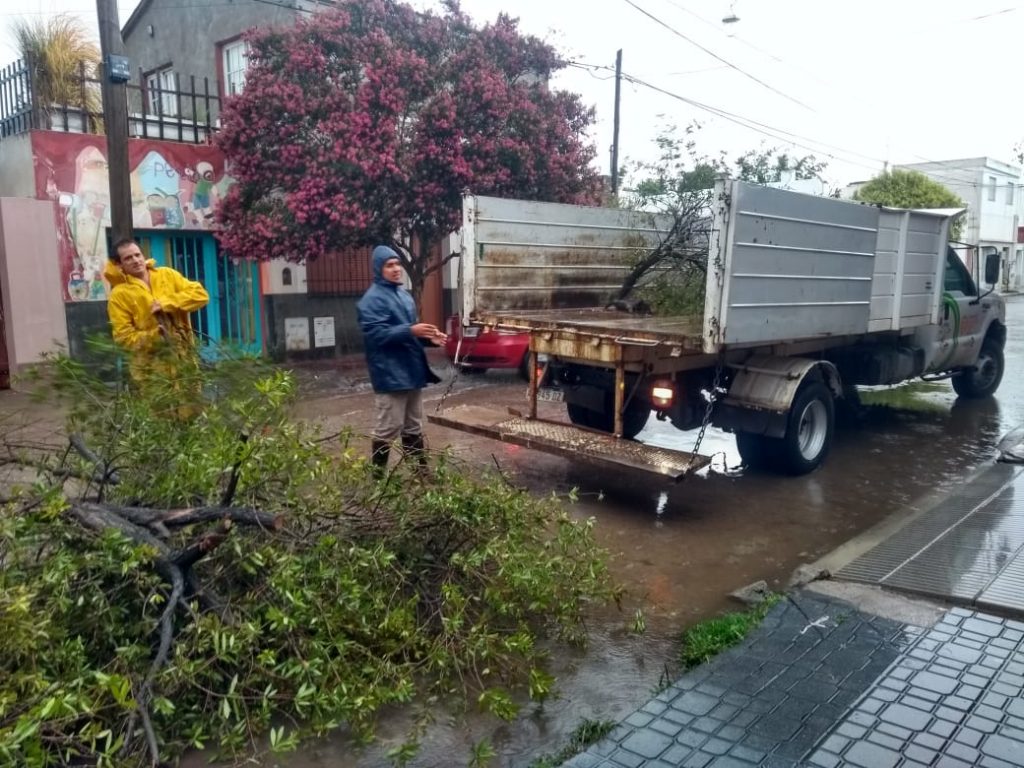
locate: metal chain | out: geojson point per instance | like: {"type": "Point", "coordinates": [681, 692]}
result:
{"type": "Point", "coordinates": [456, 366]}
{"type": "Point", "coordinates": [712, 399]}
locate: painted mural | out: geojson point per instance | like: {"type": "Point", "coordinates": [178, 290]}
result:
{"type": "Point", "coordinates": [173, 186]}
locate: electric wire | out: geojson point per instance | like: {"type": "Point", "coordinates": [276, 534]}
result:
{"type": "Point", "coordinates": [832, 151]}
{"type": "Point", "coordinates": [714, 55]}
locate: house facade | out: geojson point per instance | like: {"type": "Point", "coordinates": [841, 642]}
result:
{"type": "Point", "coordinates": [55, 234]}
{"type": "Point", "coordinates": [172, 45]}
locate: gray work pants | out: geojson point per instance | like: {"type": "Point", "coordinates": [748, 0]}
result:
{"type": "Point", "coordinates": [398, 413]}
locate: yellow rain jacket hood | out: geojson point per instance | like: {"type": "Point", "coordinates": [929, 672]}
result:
{"type": "Point", "coordinates": [135, 326]}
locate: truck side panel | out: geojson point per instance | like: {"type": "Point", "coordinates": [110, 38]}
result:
{"type": "Point", "coordinates": [794, 267]}
{"type": "Point", "coordinates": [520, 255]}
{"type": "Point", "coordinates": [908, 267]}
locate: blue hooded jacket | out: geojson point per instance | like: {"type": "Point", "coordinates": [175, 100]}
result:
{"type": "Point", "coordinates": [387, 313]}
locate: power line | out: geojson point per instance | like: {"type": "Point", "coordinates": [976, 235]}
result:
{"type": "Point", "coordinates": [714, 55]}
{"type": "Point", "coordinates": [739, 39]}
{"type": "Point", "coordinates": [754, 125]}
{"type": "Point", "coordinates": [781, 134]}
{"type": "Point", "coordinates": [775, 133]}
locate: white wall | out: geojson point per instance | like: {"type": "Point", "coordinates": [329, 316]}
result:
{"type": "Point", "coordinates": [34, 320]}
{"type": "Point", "coordinates": [17, 177]}
{"type": "Point", "coordinates": [274, 273]}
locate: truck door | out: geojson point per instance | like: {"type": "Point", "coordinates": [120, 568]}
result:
{"type": "Point", "coordinates": [962, 319]}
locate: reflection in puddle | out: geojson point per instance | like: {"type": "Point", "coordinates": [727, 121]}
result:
{"type": "Point", "coordinates": [660, 509]}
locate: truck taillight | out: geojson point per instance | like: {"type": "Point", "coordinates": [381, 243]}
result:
{"type": "Point", "coordinates": [662, 394]}
{"type": "Point", "coordinates": [542, 366]}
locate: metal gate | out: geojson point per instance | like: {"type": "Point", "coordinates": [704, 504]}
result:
{"type": "Point", "coordinates": [232, 318]}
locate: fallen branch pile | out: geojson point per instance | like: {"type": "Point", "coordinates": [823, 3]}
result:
{"type": "Point", "coordinates": [152, 527]}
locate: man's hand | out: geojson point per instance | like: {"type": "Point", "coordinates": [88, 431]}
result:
{"type": "Point", "coordinates": [429, 332]}
{"type": "Point", "coordinates": [155, 307]}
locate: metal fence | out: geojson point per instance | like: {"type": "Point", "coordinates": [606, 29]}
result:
{"type": "Point", "coordinates": [15, 99]}
{"type": "Point", "coordinates": [160, 105]}
{"type": "Point", "coordinates": [346, 272]}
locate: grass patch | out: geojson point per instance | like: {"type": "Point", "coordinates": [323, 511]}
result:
{"type": "Point", "coordinates": [589, 732]}
{"type": "Point", "coordinates": [915, 396]}
{"type": "Point", "coordinates": [705, 640]}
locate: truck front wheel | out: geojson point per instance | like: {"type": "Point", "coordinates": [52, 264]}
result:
{"type": "Point", "coordinates": [809, 429]}
{"type": "Point", "coordinates": [983, 379]}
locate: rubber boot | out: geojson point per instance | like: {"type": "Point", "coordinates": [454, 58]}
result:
{"type": "Point", "coordinates": [379, 450]}
{"type": "Point", "coordinates": [415, 450]}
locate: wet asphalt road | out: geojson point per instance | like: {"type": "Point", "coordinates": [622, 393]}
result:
{"type": "Point", "coordinates": [681, 548]}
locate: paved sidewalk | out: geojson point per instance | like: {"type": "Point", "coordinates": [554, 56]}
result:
{"type": "Point", "coordinates": [823, 684]}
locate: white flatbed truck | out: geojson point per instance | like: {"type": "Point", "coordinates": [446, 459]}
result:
{"type": "Point", "coordinates": [806, 297]}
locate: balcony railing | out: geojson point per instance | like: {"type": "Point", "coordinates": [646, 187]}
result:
{"type": "Point", "coordinates": [187, 112]}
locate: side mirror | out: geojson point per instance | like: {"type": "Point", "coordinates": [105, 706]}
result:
{"type": "Point", "coordinates": [992, 263]}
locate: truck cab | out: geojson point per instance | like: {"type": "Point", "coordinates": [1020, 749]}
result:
{"type": "Point", "coordinates": [971, 333]}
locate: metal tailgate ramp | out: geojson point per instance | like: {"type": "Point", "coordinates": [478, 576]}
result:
{"type": "Point", "coordinates": [570, 442]}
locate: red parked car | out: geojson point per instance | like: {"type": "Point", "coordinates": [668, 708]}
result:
{"type": "Point", "coordinates": [482, 348]}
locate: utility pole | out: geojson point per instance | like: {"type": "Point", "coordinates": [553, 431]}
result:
{"type": "Point", "coordinates": [114, 76]}
{"type": "Point", "coordinates": [615, 129]}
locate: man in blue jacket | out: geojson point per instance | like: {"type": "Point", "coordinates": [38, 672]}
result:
{"type": "Point", "coordinates": [394, 342]}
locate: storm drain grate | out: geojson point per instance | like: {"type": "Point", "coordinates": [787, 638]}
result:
{"type": "Point", "coordinates": [968, 548]}
{"type": "Point", "coordinates": [1007, 590]}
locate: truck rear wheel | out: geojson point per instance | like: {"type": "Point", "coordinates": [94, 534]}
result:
{"type": "Point", "coordinates": [634, 419]}
{"type": "Point", "coordinates": [983, 379]}
{"type": "Point", "coordinates": [579, 415]}
{"type": "Point", "coordinates": [810, 425]}
{"type": "Point", "coordinates": [756, 450]}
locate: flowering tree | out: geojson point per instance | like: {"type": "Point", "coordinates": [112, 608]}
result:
{"type": "Point", "coordinates": [364, 124]}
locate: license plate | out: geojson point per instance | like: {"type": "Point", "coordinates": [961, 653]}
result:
{"type": "Point", "coordinates": [470, 332]}
{"type": "Point", "coordinates": [549, 395]}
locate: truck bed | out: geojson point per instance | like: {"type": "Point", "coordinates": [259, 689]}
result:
{"type": "Point", "coordinates": [782, 267]}
{"type": "Point", "coordinates": [684, 332]}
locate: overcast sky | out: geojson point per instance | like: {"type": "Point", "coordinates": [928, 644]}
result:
{"type": "Point", "coordinates": [855, 82]}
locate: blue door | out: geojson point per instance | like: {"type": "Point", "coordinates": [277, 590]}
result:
{"type": "Point", "coordinates": [231, 321]}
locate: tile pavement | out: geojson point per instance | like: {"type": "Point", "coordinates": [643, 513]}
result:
{"type": "Point", "coordinates": [955, 699]}
{"type": "Point", "coordinates": [821, 684]}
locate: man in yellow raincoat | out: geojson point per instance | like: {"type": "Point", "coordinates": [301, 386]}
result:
{"type": "Point", "coordinates": [149, 309]}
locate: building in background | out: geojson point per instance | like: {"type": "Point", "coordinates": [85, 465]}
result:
{"type": "Point", "coordinates": [175, 46]}
{"type": "Point", "coordinates": [994, 194]}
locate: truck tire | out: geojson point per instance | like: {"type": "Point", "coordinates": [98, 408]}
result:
{"type": "Point", "coordinates": [810, 425]}
{"type": "Point", "coordinates": [756, 450]}
{"type": "Point", "coordinates": [983, 379]}
{"type": "Point", "coordinates": [579, 415]}
{"type": "Point", "coordinates": [633, 420]}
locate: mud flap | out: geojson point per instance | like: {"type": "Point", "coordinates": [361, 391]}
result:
{"type": "Point", "coordinates": [598, 448]}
